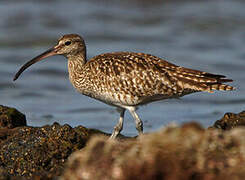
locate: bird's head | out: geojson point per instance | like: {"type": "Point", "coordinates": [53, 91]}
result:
{"type": "Point", "coordinates": [68, 45]}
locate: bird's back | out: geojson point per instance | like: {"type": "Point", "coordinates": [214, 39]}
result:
{"type": "Point", "coordinates": [128, 78]}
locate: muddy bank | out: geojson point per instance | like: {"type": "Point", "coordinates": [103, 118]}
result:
{"type": "Point", "coordinates": [62, 152]}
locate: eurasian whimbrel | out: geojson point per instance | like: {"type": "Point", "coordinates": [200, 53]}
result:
{"type": "Point", "coordinates": [127, 79]}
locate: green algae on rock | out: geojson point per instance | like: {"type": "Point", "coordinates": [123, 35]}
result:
{"type": "Point", "coordinates": [11, 118]}
{"type": "Point", "coordinates": [10, 121]}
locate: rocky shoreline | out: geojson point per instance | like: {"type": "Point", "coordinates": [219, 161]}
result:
{"type": "Point", "coordinates": [62, 152]}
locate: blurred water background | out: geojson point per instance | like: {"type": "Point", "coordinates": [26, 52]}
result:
{"type": "Point", "coordinates": [204, 35]}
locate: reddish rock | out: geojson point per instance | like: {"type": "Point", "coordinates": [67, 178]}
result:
{"type": "Point", "coordinates": [187, 152]}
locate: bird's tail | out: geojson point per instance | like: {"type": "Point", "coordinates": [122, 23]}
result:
{"type": "Point", "coordinates": [202, 81]}
{"type": "Point", "coordinates": [218, 85]}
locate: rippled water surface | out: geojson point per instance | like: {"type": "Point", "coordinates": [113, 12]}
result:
{"type": "Point", "coordinates": [208, 36]}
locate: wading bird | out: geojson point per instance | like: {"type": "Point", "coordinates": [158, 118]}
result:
{"type": "Point", "coordinates": [127, 80]}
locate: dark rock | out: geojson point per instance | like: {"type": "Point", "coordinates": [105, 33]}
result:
{"type": "Point", "coordinates": [187, 152]}
{"type": "Point", "coordinates": [6, 132]}
{"type": "Point", "coordinates": [36, 152]}
{"type": "Point", "coordinates": [230, 120]}
{"type": "Point", "coordinates": [10, 121]}
{"type": "Point", "coordinates": [11, 118]}
{"type": "Point", "coordinates": [41, 151]}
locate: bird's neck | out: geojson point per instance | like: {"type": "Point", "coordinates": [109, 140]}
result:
{"type": "Point", "coordinates": [78, 57]}
{"type": "Point", "coordinates": [76, 63]}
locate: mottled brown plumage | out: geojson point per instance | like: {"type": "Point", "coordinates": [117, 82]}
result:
{"type": "Point", "coordinates": [127, 79]}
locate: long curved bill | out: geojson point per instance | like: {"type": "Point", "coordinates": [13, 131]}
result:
{"type": "Point", "coordinates": [49, 52]}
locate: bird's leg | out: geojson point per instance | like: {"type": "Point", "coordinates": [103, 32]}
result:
{"type": "Point", "coordinates": [118, 128]}
{"type": "Point", "coordinates": [138, 122]}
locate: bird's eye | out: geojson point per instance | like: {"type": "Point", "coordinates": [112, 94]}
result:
{"type": "Point", "coordinates": [67, 43]}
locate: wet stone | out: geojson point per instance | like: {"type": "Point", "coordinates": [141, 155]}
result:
{"type": "Point", "coordinates": [230, 121]}
{"type": "Point", "coordinates": [176, 152]}
{"type": "Point", "coordinates": [36, 152]}
{"type": "Point", "coordinates": [10, 121]}
{"type": "Point", "coordinates": [40, 151]}
{"type": "Point", "coordinates": [11, 118]}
